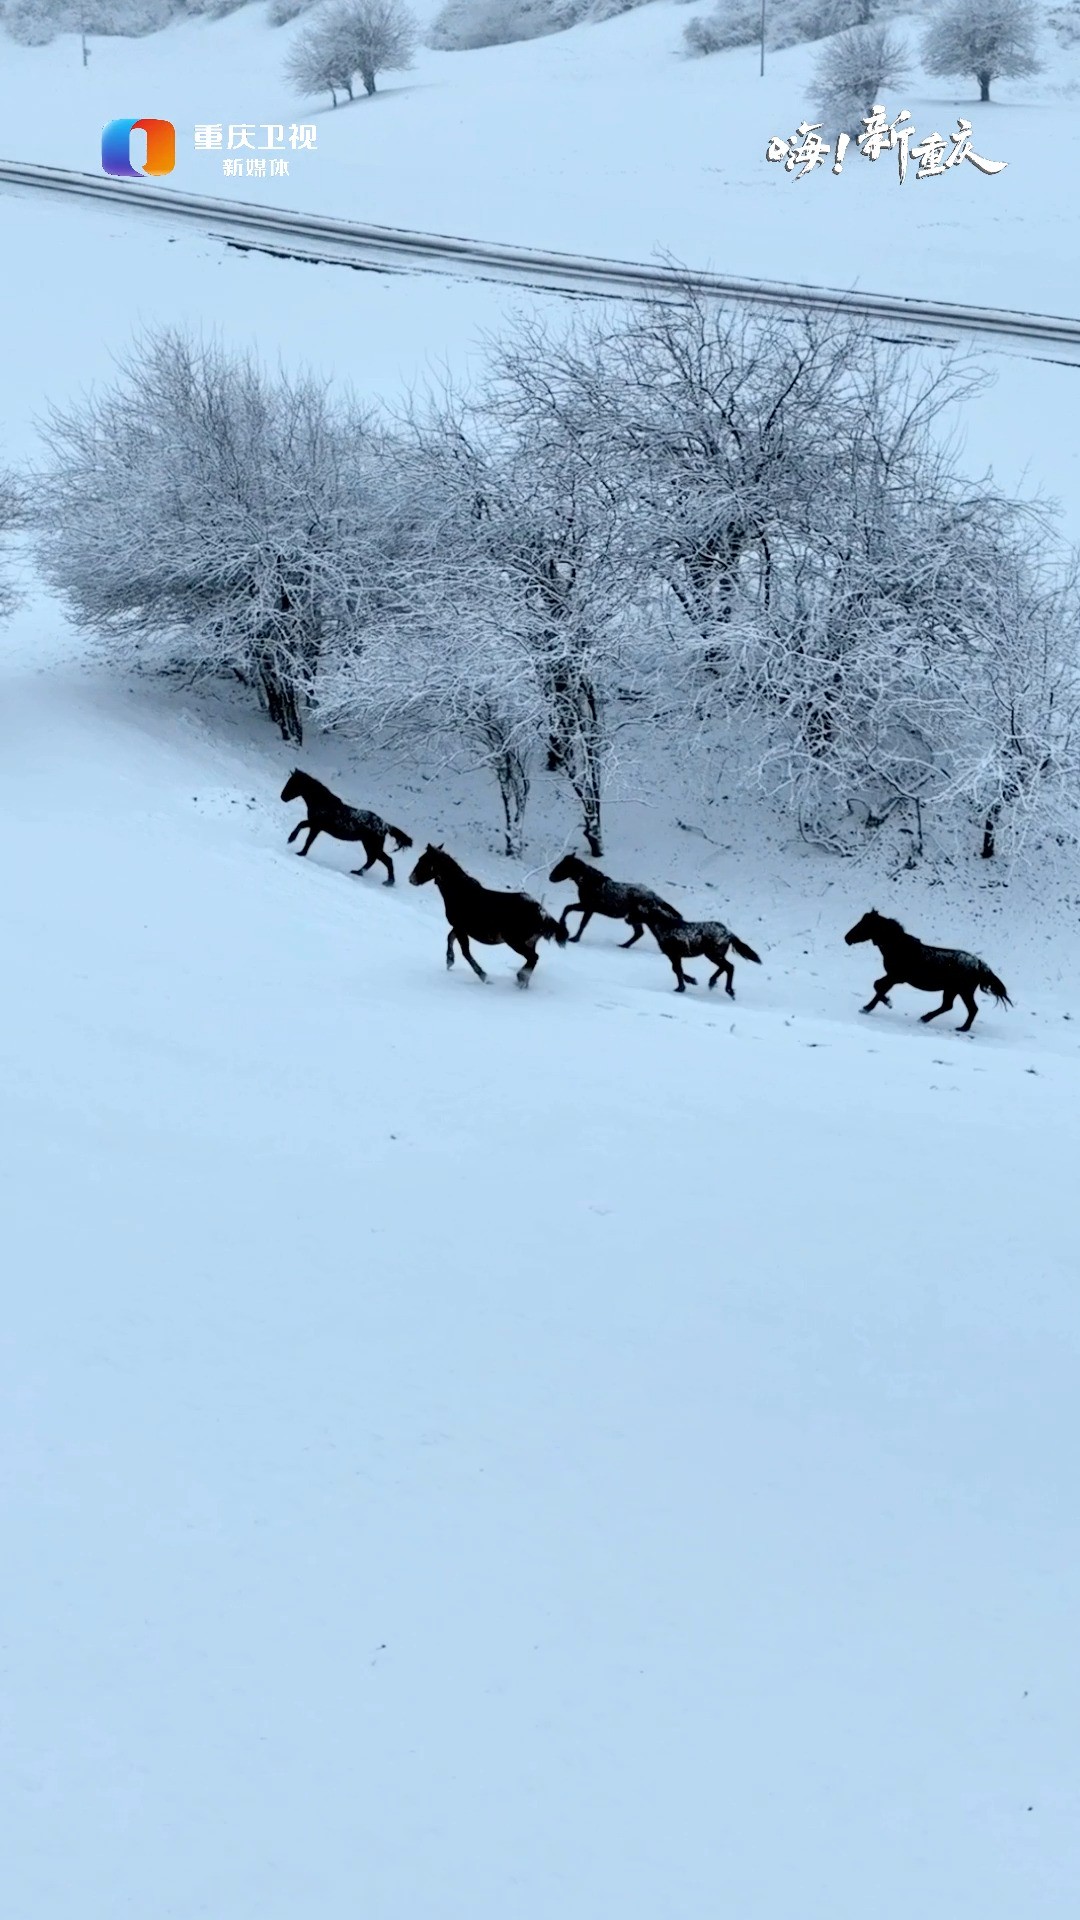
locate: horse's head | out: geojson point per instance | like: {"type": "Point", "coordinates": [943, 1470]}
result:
{"type": "Point", "coordinates": [864, 929]}
{"type": "Point", "coordinates": [426, 868]}
{"type": "Point", "coordinates": [566, 869]}
{"type": "Point", "coordinates": [293, 788]}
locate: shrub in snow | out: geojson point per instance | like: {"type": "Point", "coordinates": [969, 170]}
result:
{"type": "Point", "coordinates": [989, 39]}
{"type": "Point", "coordinates": [203, 519]}
{"type": "Point", "coordinates": [1064, 24]}
{"type": "Point", "coordinates": [734, 23]}
{"type": "Point", "coordinates": [797, 21]}
{"type": "Point", "coordinates": [11, 515]}
{"type": "Point", "coordinates": [855, 70]}
{"type": "Point", "coordinates": [368, 37]}
{"type": "Point", "coordinates": [280, 12]}
{"type": "Point", "coordinates": [465, 24]}
{"type": "Point", "coordinates": [733, 535]}
{"type": "Point", "coordinates": [211, 9]}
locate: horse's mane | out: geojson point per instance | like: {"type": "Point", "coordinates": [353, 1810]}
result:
{"type": "Point", "coordinates": [894, 926]}
{"type": "Point", "coordinates": [309, 780]}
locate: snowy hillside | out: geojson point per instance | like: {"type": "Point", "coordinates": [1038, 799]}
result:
{"type": "Point", "coordinates": [472, 1453]}
{"type": "Point", "coordinates": [603, 139]}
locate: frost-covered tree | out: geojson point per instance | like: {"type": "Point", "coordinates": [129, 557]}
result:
{"type": "Point", "coordinates": [990, 39]}
{"type": "Point", "coordinates": [12, 514]}
{"type": "Point", "coordinates": [321, 59]}
{"type": "Point", "coordinates": [280, 12]}
{"type": "Point", "coordinates": [533, 545]}
{"type": "Point", "coordinates": [734, 23]}
{"type": "Point", "coordinates": [710, 428]}
{"type": "Point", "coordinates": [200, 517]}
{"type": "Point", "coordinates": [856, 70]}
{"type": "Point", "coordinates": [463, 24]}
{"type": "Point", "coordinates": [918, 656]}
{"type": "Point", "coordinates": [367, 37]}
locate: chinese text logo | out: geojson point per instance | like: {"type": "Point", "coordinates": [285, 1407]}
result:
{"type": "Point", "coordinates": [807, 150]}
{"type": "Point", "coordinates": [116, 148]}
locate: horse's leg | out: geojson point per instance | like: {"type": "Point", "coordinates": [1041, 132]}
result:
{"type": "Point", "coordinates": [684, 979]}
{"type": "Point", "coordinates": [969, 1001]}
{"type": "Point", "coordinates": [463, 943]}
{"type": "Point", "coordinates": [371, 851]}
{"type": "Point", "coordinates": [313, 834]}
{"type": "Point", "coordinates": [586, 916]}
{"type": "Point", "coordinates": [882, 990]}
{"type": "Point", "coordinates": [635, 936]}
{"type": "Point", "coordinates": [525, 972]}
{"type": "Point", "coordinates": [450, 949]}
{"type": "Point", "coordinates": [948, 1002]}
{"type": "Point", "coordinates": [295, 831]}
{"type": "Point", "coordinates": [376, 850]}
{"type": "Point", "coordinates": [723, 965]}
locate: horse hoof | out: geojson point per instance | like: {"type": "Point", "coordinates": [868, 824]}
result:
{"type": "Point", "coordinates": [388, 883]}
{"type": "Point", "coordinates": [731, 993]}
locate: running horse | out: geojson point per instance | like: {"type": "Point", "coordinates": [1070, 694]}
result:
{"type": "Point", "coordinates": [908, 963]}
{"type": "Point", "coordinates": [327, 814]}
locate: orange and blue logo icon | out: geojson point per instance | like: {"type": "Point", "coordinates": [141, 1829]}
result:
{"type": "Point", "coordinates": [116, 148]}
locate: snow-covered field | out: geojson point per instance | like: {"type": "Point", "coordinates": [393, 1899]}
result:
{"type": "Point", "coordinates": [472, 1455]}
{"type": "Point", "coordinates": [605, 139]}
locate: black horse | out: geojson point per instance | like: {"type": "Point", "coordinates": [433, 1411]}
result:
{"type": "Point", "coordinates": [683, 940]}
{"type": "Point", "coordinates": [476, 912]}
{"type": "Point", "coordinates": [945, 970]}
{"type": "Point", "coordinates": [327, 814]}
{"type": "Point", "coordinates": [613, 899]}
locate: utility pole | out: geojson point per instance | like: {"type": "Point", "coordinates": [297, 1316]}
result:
{"type": "Point", "coordinates": [86, 50]}
{"type": "Point", "coordinates": [762, 67]}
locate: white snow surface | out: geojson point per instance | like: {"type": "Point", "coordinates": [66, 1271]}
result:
{"type": "Point", "coordinates": [472, 1453]}
{"type": "Point", "coordinates": [605, 139]}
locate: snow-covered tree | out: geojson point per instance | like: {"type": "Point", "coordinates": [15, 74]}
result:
{"type": "Point", "coordinates": [533, 545]}
{"type": "Point", "coordinates": [12, 514]}
{"type": "Point", "coordinates": [990, 39]}
{"type": "Point", "coordinates": [202, 518]}
{"type": "Point", "coordinates": [794, 22]}
{"type": "Point", "coordinates": [280, 12]}
{"type": "Point", "coordinates": [734, 23]}
{"type": "Point", "coordinates": [856, 70]}
{"type": "Point", "coordinates": [367, 37]}
{"type": "Point", "coordinates": [321, 58]}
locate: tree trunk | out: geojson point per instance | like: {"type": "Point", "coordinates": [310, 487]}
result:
{"type": "Point", "coordinates": [369, 83]}
{"type": "Point", "coordinates": [514, 793]}
{"type": "Point", "coordinates": [989, 844]}
{"type": "Point", "coordinates": [984, 80]}
{"type": "Point", "coordinates": [282, 704]}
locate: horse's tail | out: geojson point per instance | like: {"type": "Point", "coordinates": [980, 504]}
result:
{"type": "Point", "coordinates": [401, 840]}
{"type": "Point", "coordinates": [744, 952]}
{"type": "Point", "coordinates": [552, 930]}
{"type": "Point", "coordinates": [990, 983]}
